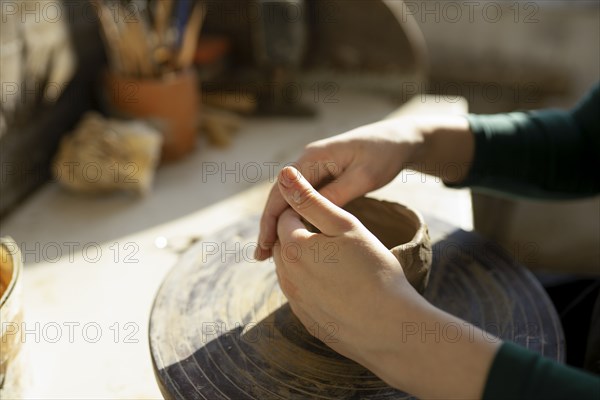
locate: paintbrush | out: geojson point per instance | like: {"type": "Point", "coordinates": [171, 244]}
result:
{"type": "Point", "coordinates": [190, 36]}
{"type": "Point", "coordinates": [139, 47]}
{"type": "Point", "coordinates": [139, 37]}
{"type": "Point", "coordinates": [111, 36]}
{"type": "Point", "coordinates": [162, 15]}
{"type": "Point", "coordinates": [162, 53]}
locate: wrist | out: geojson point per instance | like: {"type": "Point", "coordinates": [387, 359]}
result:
{"type": "Point", "coordinates": [434, 354]}
{"type": "Point", "coordinates": [446, 148]}
{"type": "Point", "coordinates": [408, 138]}
{"type": "Point", "coordinates": [404, 311]}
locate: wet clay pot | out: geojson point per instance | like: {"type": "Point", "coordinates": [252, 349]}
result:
{"type": "Point", "coordinates": [402, 230]}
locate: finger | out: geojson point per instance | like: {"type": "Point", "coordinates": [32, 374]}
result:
{"type": "Point", "coordinates": [290, 228]}
{"type": "Point", "coordinates": [347, 187]}
{"type": "Point", "coordinates": [316, 172]}
{"type": "Point", "coordinates": [310, 204]}
{"type": "Point", "coordinates": [261, 254]}
{"type": "Point", "coordinates": [267, 235]}
{"type": "Point", "coordinates": [340, 191]}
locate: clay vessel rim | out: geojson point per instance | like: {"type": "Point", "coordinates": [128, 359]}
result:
{"type": "Point", "coordinates": [406, 212]}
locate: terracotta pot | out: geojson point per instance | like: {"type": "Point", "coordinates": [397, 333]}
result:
{"type": "Point", "coordinates": [11, 314]}
{"type": "Point", "coordinates": [403, 231]}
{"type": "Point", "coordinates": [173, 102]}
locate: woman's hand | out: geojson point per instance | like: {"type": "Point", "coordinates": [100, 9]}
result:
{"type": "Point", "coordinates": [347, 166]}
{"type": "Point", "coordinates": [350, 292]}
{"type": "Point", "coordinates": [342, 282]}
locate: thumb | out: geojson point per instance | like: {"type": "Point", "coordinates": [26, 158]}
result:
{"type": "Point", "coordinates": [309, 203]}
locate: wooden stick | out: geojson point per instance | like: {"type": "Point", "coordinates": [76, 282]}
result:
{"type": "Point", "coordinates": [161, 21]}
{"type": "Point", "coordinates": [139, 38]}
{"type": "Point", "coordinates": [111, 35]}
{"type": "Point", "coordinates": [190, 38]}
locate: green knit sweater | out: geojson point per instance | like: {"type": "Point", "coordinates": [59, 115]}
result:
{"type": "Point", "coordinates": [548, 154]}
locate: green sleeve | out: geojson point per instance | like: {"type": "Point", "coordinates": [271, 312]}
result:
{"type": "Point", "coordinates": [518, 373]}
{"type": "Point", "coordinates": [542, 154]}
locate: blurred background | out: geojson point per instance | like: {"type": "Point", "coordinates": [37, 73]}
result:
{"type": "Point", "coordinates": [130, 129]}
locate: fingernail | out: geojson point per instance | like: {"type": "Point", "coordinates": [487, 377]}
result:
{"type": "Point", "coordinates": [288, 176]}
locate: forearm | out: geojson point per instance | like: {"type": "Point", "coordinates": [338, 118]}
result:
{"type": "Point", "coordinates": [430, 353]}
{"type": "Point", "coordinates": [435, 354]}
{"type": "Point", "coordinates": [543, 154]}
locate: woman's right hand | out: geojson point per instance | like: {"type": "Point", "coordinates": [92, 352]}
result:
{"type": "Point", "coordinates": [345, 167]}
{"type": "Point", "coordinates": [359, 302]}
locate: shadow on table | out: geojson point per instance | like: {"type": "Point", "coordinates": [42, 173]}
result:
{"type": "Point", "coordinates": [274, 358]}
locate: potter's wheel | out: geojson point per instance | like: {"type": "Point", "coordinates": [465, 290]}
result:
{"type": "Point", "coordinates": [218, 329]}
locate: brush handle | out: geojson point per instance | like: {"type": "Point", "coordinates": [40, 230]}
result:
{"type": "Point", "coordinates": [190, 38]}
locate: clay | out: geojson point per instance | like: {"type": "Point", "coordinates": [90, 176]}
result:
{"type": "Point", "coordinates": [403, 231]}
